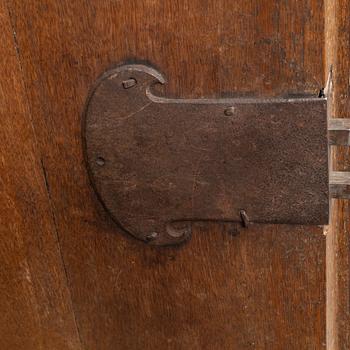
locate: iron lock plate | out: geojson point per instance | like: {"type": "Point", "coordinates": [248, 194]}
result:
{"type": "Point", "coordinates": [157, 164]}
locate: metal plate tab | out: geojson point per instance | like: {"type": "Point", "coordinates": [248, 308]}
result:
{"type": "Point", "coordinates": [157, 164]}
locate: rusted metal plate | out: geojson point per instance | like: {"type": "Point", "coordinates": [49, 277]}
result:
{"type": "Point", "coordinates": [157, 164]}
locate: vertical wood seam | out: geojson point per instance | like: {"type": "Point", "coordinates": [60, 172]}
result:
{"type": "Point", "coordinates": [51, 205]}
{"type": "Point", "coordinates": [338, 254]}
{"type": "Point", "coordinates": [44, 176]}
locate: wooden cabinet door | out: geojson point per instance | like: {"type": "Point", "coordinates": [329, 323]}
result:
{"type": "Point", "coordinates": [71, 279]}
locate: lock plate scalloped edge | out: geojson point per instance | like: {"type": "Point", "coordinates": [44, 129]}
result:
{"type": "Point", "coordinates": [157, 164]}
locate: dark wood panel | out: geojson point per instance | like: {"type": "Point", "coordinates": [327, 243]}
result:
{"type": "Point", "coordinates": [36, 310]}
{"type": "Point", "coordinates": [337, 36]}
{"type": "Point", "coordinates": [261, 289]}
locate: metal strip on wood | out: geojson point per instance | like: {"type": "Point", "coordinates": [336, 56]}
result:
{"type": "Point", "coordinates": [339, 131]}
{"type": "Point", "coordinates": [339, 183]}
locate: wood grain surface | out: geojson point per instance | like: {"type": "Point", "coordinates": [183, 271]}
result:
{"type": "Point", "coordinates": [261, 289]}
{"type": "Point", "coordinates": [36, 311]}
{"type": "Point", "coordinates": [337, 34]}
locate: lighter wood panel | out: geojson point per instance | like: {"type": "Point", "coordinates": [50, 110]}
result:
{"type": "Point", "coordinates": [337, 34]}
